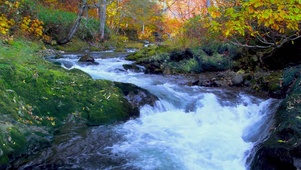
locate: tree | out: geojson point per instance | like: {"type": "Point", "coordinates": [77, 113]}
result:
{"type": "Point", "coordinates": [177, 12]}
{"type": "Point", "coordinates": [262, 24]}
{"type": "Point", "coordinates": [183, 9]}
{"type": "Point", "coordinates": [76, 23]}
{"type": "Point", "coordinates": [102, 18]}
{"type": "Point", "coordinates": [84, 7]}
{"type": "Point", "coordinates": [142, 16]}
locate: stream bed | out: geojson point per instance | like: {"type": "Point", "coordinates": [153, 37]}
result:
{"type": "Point", "coordinates": [188, 128]}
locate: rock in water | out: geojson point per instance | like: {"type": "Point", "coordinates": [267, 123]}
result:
{"type": "Point", "coordinates": [238, 79]}
{"type": "Point", "coordinates": [87, 59]}
{"type": "Point", "coordinates": [136, 96]}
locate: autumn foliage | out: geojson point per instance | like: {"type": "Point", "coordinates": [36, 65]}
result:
{"type": "Point", "coordinates": [252, 23]}
{"type": "Point", "coordinates": [7, 18]}
{"type": "Point", "coordinates": [13, 22]}
{"type": "Point", "coordinates": [262, 23]}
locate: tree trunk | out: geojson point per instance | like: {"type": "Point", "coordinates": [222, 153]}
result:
{"type": "Point", "coordinates": [208, 4]}
{"type": "Point", "coordinates": [76, 24]}
{"type": "Point", "coordinates": [102, 17]}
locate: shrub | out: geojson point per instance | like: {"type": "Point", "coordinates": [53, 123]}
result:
{"type": "Point", "coordinates": [215, 57]}
{"type": "Point", "coordinates": [185, 66]}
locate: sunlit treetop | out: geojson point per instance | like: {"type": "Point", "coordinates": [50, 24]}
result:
{"type": "Point", "coordinates": [271, 23]}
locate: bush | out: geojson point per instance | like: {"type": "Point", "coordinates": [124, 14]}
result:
{"type": "Point", "coordinates": [215, 57]}
{"type": "Point", "coordinates": [185, 66]}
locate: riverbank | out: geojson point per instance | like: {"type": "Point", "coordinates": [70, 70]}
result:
{"type": "Point", "coordinates": [37, 97]}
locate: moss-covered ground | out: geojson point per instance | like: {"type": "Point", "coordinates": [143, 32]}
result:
{"type": "Point", "coordinates": [37, 96]}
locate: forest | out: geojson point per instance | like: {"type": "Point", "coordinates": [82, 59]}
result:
{"type": "Point", "coordinates": [252, 45]}
{"type": "Point", "coordinates": [262, 24]}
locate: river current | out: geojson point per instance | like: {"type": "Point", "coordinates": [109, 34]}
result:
{"type": "Point", "coordinates": [189, 128]}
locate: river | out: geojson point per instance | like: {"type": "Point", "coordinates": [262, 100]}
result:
{"type": "Point", "coordinates": [189, 128]}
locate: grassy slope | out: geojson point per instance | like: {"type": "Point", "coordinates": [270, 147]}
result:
{"type": "Point", "coordinates": [36, 96]}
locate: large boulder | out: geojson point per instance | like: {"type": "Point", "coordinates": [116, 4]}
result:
{"type": "Point", "coordinates": [282, 149]}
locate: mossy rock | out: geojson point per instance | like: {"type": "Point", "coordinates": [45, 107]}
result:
{"type": "Point", "coordinates": [273, 84]}
{"type": "Point", "coordinates": [13, 145]}
{"type": "Point", "coordinates": [4, 160]}
{"type": "Point", "coordinates": [282, 149]}
{"type": "Point", "coordinates": [290, 75]}
{"type": "Point", "coordinates": [148, 52]}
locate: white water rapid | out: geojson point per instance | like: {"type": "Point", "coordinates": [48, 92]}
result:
{"type": "Point", "coordinates": [189, 128]}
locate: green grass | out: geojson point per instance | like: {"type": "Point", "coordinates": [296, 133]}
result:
{"type": "Point", "coordinates": [57, 24]}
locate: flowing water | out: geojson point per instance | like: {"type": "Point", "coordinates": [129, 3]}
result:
{"type": "Point", "coordinates": [189, 128]}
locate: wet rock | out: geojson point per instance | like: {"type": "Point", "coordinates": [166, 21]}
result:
{"type": "Point", "coordinates": [87, 59]}
{"type": "Point", "coordinates": [247, 83]}
{"type": "Point", "coordinates": [208, 83]}
{"type": "Point", "coordinates": [167, 71]}
{"type": "Point", "coordinates": [67, 64]}
{"type": "Point", "coordinates": [273, 159]}
{"type": "Point", "coordinates": [136, 96]}
{"type": "Point", "coordinates": [237, 80]}
{"type": "Point", "coordinates": [212, 79]}
{"type": "Point", "coordinates": [195, 83]}
{"type": "Point", "coordinates": [152, 67]}
{"type": "Point", "coordinates": [133, 68]}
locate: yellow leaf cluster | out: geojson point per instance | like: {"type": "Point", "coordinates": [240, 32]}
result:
{"type": "Point", "coordinates": [12, 22]}
{"type": "Point", "coordinates": [247, 19]}
{"type": "Point", "coordinates": [5, 24]}
{"type": "Point", "coordinates": [10, 4]}
{"type": "Point", "coordinates": [32, 27]}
